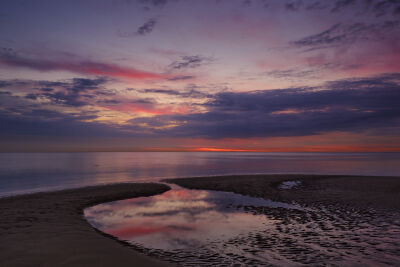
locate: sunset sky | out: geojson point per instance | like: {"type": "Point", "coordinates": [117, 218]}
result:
{"type": "Point", "coordinates": [200, 75]}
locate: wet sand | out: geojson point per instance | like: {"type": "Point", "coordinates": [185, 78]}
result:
{"type": "Point", "coordinates": [347, 220]}
{"type": "Point", "coordinates": [373, 192]}
{"type": "Point", "coordinates": [48, 229]}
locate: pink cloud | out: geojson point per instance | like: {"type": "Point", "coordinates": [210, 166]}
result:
{"type": "Point", "coordinates": [82, 67]}
{"type": "Point", "coordinates": [149, 109]}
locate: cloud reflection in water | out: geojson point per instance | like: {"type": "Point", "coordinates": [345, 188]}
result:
{"type": "Point", "coordinates": [180, 218]}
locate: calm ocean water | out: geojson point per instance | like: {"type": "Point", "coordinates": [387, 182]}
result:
{"type": "Point", "coordinates": [31, 172]}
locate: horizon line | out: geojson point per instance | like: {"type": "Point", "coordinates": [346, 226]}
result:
{"type": "Point", "coordinates": [216, 149]}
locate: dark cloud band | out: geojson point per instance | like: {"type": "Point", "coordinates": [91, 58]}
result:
{"type": "Point", "coordinates": [346, 105]}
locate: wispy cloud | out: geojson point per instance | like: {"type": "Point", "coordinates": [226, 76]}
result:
{"type": "Point", "coordinates": [185, 94]}
{"type": "Point", "coordinates": [147, 27]}
{"type": "Point", "coordinates": [341, 34]}
{"type": "Point", "coordinates": [13, 60]}
{"type": "Point", "coordinates": [155, 3]}
{"type": "Point", "coordinates": [144, 29]}
{"type": "Point", "coordinates": [293, 5]}
{"type": "Point", "coordinates": [377, 8]}
{"type": "Point", "coordinates": [291, 73]}
{"type": "Point", "coordinates": [190, 62]}
{"type": "Point", "coordinates": [341, 4]}
{"type": "Point", "coordinates": [181, 78]}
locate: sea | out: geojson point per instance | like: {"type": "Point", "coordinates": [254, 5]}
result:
{"type": "Point", "coordinates": [22, 173]}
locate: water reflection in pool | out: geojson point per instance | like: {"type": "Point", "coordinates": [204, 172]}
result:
{"type": "Point", "coordinates": [182, 219]}
{"type": "Point", "coordinates": [203, 228]}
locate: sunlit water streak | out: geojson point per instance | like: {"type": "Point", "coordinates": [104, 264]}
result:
{"type": "Point", "coordinates": [30, 172]}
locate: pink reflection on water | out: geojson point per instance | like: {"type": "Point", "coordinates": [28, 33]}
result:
{"type": "Point", "coordinates": [203, 228]}
{"type": "Point", "coordinates": [177, 218]}
{"type": "Point", "coordinates": [138, 230]}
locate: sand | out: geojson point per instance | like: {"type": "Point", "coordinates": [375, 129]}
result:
{"type": "Point", "coordinates": [346, 220]}
{"type": "Point", "coordinates": [48, 229]}
{"type": "Point", "coordinates": [379, 193]}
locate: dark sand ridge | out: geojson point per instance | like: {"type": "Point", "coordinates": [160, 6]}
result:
{"type": "Point", "coordinates": [382, 193]}
{"type": "Point", "coordinates": [48, 229]}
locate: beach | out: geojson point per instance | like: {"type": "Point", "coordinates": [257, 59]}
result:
{"type": "Point", "coordinates": [199, 133]}
{"type": "Point", "coordinates": [48, 229]}
{"type": "Point", "coordinates": [343, 220]}
{"type": "Point", "coordinates": [366, 192]}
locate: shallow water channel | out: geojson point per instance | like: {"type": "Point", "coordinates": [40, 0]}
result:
{"type": "Point", "coordinates": [186, 226]}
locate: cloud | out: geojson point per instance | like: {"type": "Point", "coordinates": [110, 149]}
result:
{"type": "Point", "coordinates": [144, 29]}
{"type": "Point", "coordinates": [164, 52]}
{"type": "Point", "coordinates": [75, 92]}
{"type": "Point", "coordinates": [64, 110]}
{"type": "Point", "coordinates": [294, 5]}
{"type": "Point", "coordinates": [160, 91]}
{"type": "Point", "coordinates": [192, 93]}
{"type": "Point", "coordinates": [4, 84]}
{"type": "Point", "coordinates": [316, 67]}
{"type": "Point", "coordinates": [341, 4]}
{"type": "Point", "coordinates": [155, 3]}
{"type": "Point", "coordinates": [291, 73]}
{"type": "Point", "coordinates": [341, 34]}
{"type": "Point", "coordinates": [381, 8]}
{"type": "Point", "coordinates": [41, 122]}
{"type": "Point", "coordinates": [190, 62]}
{"type": "Point", "coordinates": [142, 107]}
{"type": "Point", "coordinates": [181, 78]}
{"type": "Point", "coordinates": [246, 3]}
{"type": "Point", "coordinates": [377, 8]}
{"type": "Point", "coordinates": [82, 67]}
{"type": "Point", "coordinates": [31, 96]}
{"type": "Point", "coordinates": [351, 105]}
{"type": "Point", "coordinates": [317, 5]}
{"type": "Point", "coordinates": [147, 27]}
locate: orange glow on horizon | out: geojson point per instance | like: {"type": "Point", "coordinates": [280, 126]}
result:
{"type": "Point", "coordinates": [284, 149]}
{"type": "Point", "coordinates": [214, 149]}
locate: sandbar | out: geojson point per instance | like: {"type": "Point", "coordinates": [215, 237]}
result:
{"type": "Point", "coordinates": [48, 229]}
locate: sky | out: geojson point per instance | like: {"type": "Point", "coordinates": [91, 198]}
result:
{"type": "Point", "coordinates": [191, 75]}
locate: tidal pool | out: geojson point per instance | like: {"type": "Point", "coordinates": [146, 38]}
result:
{"type": "Point", "coordinates": [289, 184]}
{"type": "Point", "coordinates": [184, 225]}
{"type": "Point", "coordinates": [203, 228]}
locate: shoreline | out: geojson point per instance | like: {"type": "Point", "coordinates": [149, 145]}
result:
{"type": "Point", "coordinates": [376, 192]}
{"type": "Point", "coordinates": [347, 220]}
{"type": "Point", "coordinates": [49, 229]}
